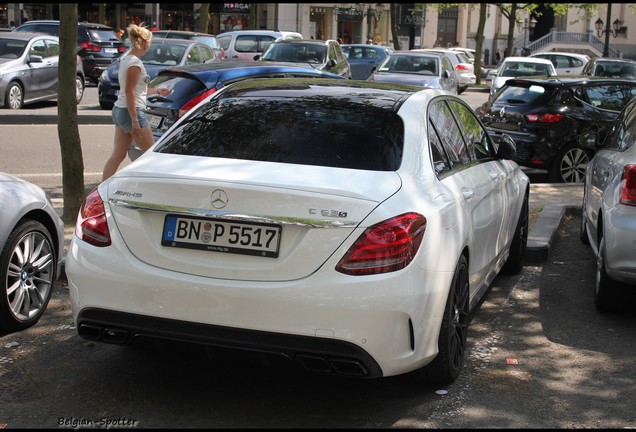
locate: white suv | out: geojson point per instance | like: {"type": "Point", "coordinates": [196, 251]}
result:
{"type": "Point", "coordinates": [565, 63]}
{"type": "Point", "coordinates": [243, 45]}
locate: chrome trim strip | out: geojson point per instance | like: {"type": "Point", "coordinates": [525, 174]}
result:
{"type": "Point", "coordinates": [308, 222]}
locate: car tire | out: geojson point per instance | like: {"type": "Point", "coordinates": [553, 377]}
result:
{"type": "Point", "coordinates": [604, 286]}
{"type": "Point", "coordinates": [583, 228]}
{"type": "Point", "coordinates": [27, 271]}
{"type": "Point", "coordinates": [14, 96]}
{"type": "Point", "coordinates": [449, 361]}
{"type": "Point", "coordinates": [569, 165]}
{"type": "Point", "coordinates": [514, 263]}
{"type": "Point", "coordinates": [106, 106]}
{"type": "Point", "coordinates": [79, 88]}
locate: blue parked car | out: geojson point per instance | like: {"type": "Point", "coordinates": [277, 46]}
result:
{"type": "Point", "coordinates": [192, 84]}
{"type": "Point", "coordinates": [163, 53]}
{"type": "Point", "coordinates": [364, 59]}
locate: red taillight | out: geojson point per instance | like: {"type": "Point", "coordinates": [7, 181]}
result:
{"type": "Point", "coordinates": [627, 192]}
{"type": "Point", "coordinates": [544, 118]}
{"type": "Point", "coordinates": [89, 46]}
{"type": "Point", "coordinates": [385, 247]}
{"type": "Point", "coordinates": [91, 223]}
{"type": "Point", "coordinates": [189, 105]}
{"type": "Point", "coordinates": [121, 48]}
{"type": "Point", "coordinates": [461, 67]}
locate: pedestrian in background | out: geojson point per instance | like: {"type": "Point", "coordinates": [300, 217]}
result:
{"type": "Point", "coordinates": [128, 111]}
{"type": "Point", "coordinates": [498, 57]}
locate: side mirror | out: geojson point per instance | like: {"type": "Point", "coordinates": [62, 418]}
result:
{"type": "Point", "coordinates": [256, 57]}
{"type": "Point", "coordinates": [506, 147]}
{"type": "Point", "coordinates": [588, 140]}
{"type": "Point", "coordinates": [35, 58]}
{"type": "Point", "coordinates": [446, 74]}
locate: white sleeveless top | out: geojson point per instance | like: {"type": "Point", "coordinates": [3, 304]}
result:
{"type": "Point", "coordinates": [142, 85]}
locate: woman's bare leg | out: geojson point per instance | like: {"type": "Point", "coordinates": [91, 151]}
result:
{"type": "Point", "coordinates": [120, 150]}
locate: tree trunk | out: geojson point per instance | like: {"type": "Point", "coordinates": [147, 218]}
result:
{"type": "Point", "coordinates": [512, 21]}
{"type": "Point", "coordinates": [479, 40]}
{"type": "Point", "coordinates": [67, 128]}
{"type": "Point", "coordinates": [395, 8]}
{"type": "Point", "coordinates": [204, 17]}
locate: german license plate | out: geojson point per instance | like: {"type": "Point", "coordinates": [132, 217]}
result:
{"type": "Point", "coordinates": [110, 50]}
{"type": "Point", "coordinates": [153, 120]}
{"type": "Point", "coordinates": [245, 238]}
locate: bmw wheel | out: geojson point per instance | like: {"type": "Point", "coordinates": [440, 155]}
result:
{"type": "Point", "coordinates": [27, 272]}
{"type": "Point", "coordinates": [14, 97]}
{"type": "Point", "coordinates": [79, 88]}
{"type": "Point", "coordinates": [447, 365]}
{"type": "Point", "coordinates": [569, 165]}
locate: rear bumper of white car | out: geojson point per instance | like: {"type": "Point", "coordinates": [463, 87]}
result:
{"type": "Point", "coordinates": [366, 326]}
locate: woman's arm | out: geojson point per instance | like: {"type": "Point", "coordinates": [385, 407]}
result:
{"type": "Point", "coordinates": [132, 78]}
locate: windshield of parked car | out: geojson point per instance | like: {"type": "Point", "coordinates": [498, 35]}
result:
{"type": "Point", "coordinates": [164, 54]}
{"type": "Point", "coordinates": [296, 52]}
{"type": "Point", "coordinates": [305, 131]}
{"type": "Point", "coordinates": [519, 69]}
{"type": "Point", "coordinates": [12, 48]}
{"type": "Point", "coordinates": [410, 64]}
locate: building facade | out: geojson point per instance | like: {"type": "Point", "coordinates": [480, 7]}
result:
{"type": "Point", "coordinates": [419, 25]}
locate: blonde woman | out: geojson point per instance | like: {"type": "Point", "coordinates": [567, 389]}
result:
{"type": "Point", "coordinates": [128, 112]}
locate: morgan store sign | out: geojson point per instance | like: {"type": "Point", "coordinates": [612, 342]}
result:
{"type": "Point", "coordinates": [236, 7]}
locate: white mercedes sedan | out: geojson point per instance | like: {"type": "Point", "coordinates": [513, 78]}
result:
{"type": "Point", "coordinates": [347, 226]}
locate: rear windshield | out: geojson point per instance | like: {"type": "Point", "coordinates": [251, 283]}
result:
{"type": "Point", "coordinates": [299, 131]}
{"type": "Point", "coordinates": [523, 94]}
{"type": "Point", "coordinates": [103, 35]}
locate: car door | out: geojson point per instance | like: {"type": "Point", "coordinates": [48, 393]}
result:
{"type": "Point", "coordinates": [448, 75]}
{"type": "Point", "coordinates": [41, 76]}
{"type": "Point", "coordinates": [607, 165]}
{"type": "Point", "coordinates": [475, 182]}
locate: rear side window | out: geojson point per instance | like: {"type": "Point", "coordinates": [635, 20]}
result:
{"type": "Point", "coordinates": [298, 131]}
{"type": "Point", "coordinates": [611, 97]}
{"type": "Point", "coordinates": [224, 41]}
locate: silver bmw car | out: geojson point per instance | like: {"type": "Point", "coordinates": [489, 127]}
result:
{"type": "Point", "coordinates": [31, 252]}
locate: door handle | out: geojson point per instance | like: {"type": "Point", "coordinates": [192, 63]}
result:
{"type": "Point", "coordinates": [467, 193]}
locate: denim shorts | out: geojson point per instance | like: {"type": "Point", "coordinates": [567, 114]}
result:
{"type": "Point", "coordinates": [122, 118]}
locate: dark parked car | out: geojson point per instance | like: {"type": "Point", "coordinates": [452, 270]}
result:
{"type": "Point", "coordinates": [611, 67]}
{"type": "Point", "coordinates": [546, 117]}
{"type": "Point", "coordinates": [205, 38]}
{"type": "Point", "coordinates": [364, 58]}
{"type": "Point", "coordinates": [163, 53]}
{"type": "Point", "coordinates": [324, 55]}
{"type": "Point", "coordinates": [29, 69]}
{"type": "Point", "coordinates": [191, 84]}
{"type": "Point", "coordinates": [98, 45]}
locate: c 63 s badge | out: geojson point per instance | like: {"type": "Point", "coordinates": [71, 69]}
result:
{"type": "Point", "coordinates": [328, 213]}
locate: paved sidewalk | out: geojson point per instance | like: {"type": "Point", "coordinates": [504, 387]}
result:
{"type": "Point", "coordinates": [553, 201]}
